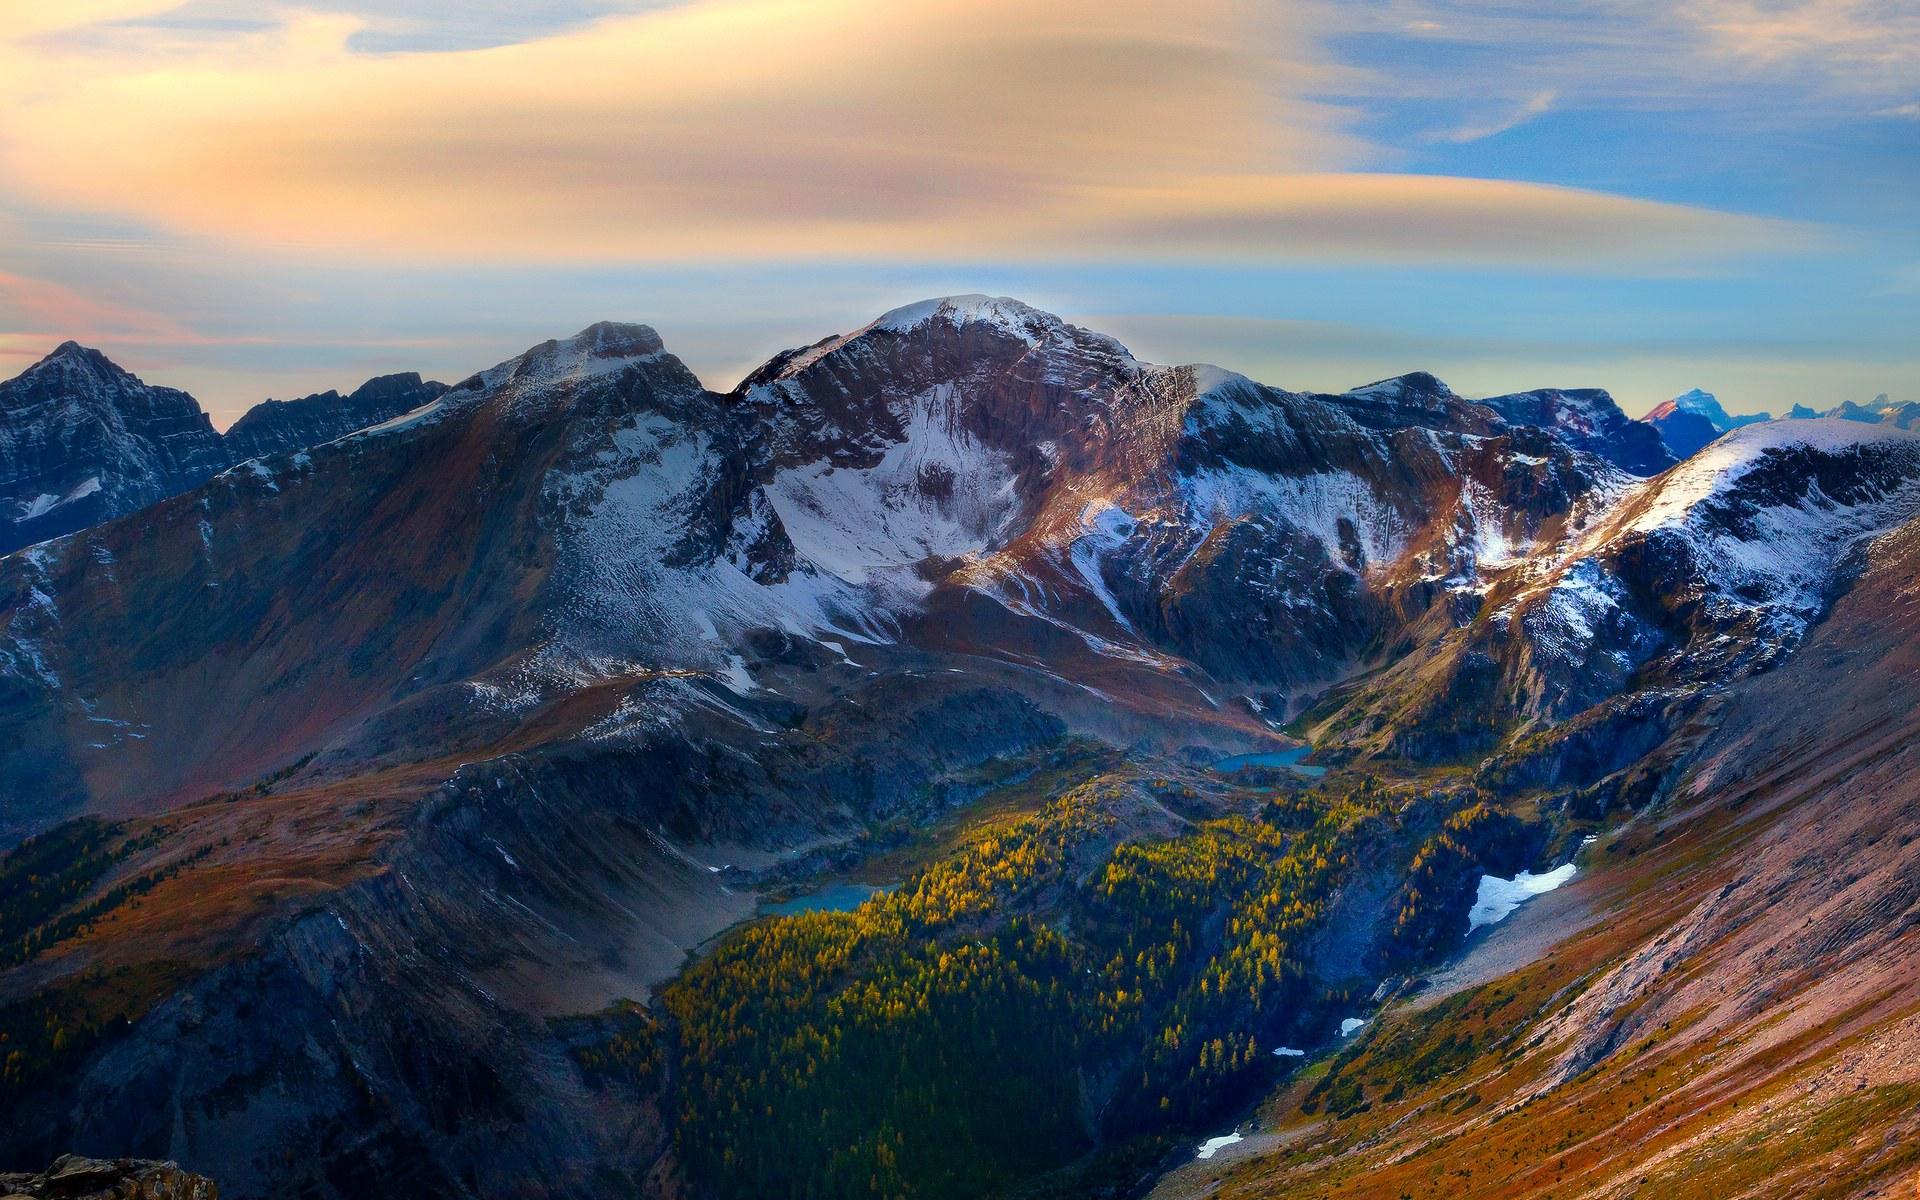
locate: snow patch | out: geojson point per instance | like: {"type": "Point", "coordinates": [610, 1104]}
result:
{"type": "Point", "coordinates": [1213, 1146]}
{"type": "Point", "coordinates": [1497, 898]}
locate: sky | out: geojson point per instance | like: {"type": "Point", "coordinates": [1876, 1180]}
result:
{"type": "Point", "coordinates": [249, 199]}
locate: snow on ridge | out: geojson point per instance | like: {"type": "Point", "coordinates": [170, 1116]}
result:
{"type": "Point", "coordinates": [1770, 565]}
{"type": "Point", "coordinates": [1675, 494]}
{"type": "Point", "coordinates": [1783, 555]}
{"type": "Point", "coordinates": [1014, 318]}
{"type": "Point", "coordinates": [1220, 396]}
{"type": "Point", "coordinates": [427, 414]}
{"type": "Point", "coordinates": [859, 535]}
{"type": "Point", "coordinates": [1398, 386]}
{"type": "Point", "coordinates": [1002, 312]}
{"type": "Point", "coordinates": [601, 349]}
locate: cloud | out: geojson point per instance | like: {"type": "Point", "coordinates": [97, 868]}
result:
{"type": "Point", "coordinates": [41, 308]}
{"type": "Point", "coordinates": [744, 130]}
{"type": "Point", "coordinates": [1809, 57]}
{"type": "Point", "coordinates": [1533, 106]}
{"type": "Point", "coordinates": [1910, 111]}
{"type": "Point", "coordinates": [1856, 45]}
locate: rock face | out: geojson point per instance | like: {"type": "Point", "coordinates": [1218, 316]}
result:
{"type": "Point", "coordinates": [277, 426]}
{"type": "Point", "coordinates": [82, 441]}
{"type": "Point", "coordinates": [1712, 571]}
{"type": "Point", "coordinates": [74, 1178]}
{"type": "Point", "coordinates": [1589, 419]}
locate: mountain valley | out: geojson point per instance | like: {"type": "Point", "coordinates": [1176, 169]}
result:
{"type": "Point", "coordinates": [435, 788]}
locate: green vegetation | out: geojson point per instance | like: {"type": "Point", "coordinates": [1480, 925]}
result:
{"type": "Point", "coordinates": [43, 879]}
{"type": "Point", "coordinates": [1053, 979]}
{"type": "Point", "coordinates": [45, 874]}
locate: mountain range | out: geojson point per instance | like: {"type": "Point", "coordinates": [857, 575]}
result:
{"type": "Point", "coordinates": [468, 789]}
{"type": "Point", "coordinates": [82, 441]}
{"type": "Point", "coordinates": [1689, 421]}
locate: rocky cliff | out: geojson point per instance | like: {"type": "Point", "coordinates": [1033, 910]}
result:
{"type": "Point", "coordinates": [74, 1178]}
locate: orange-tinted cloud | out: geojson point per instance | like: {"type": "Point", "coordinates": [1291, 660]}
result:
{"type": "Point", "coordinates": [788, 129]}
{"type": "Point", "coordinates": [38, 308]}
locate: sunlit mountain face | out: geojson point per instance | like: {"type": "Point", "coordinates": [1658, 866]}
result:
{"type": "Point", "coordinates": [826, 743]}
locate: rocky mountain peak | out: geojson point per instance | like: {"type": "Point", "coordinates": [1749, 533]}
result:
{"type": "Point", "coordinates": [386, 386]}
{"type": "Point", "coordinates": [74, 362]}
{"type": "Point", "coordinates": [602, 347]}
{"type": "Point", "coordinates": [1414, 400]}
{"type": "Point", "coordinates": [988, 331]}
{"type": "Point", "coordinates": [1002, 313]}
{"type": "Point", "coordinates": [1704, 404]}
{"type": "Point", "coordinates": [1413, 383]}
{"type": "Point", "coordinates": [81, 440]}
{"type": "Point", "coordinates": [276, 426]}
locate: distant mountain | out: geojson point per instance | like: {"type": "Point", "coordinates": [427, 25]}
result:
{"type": "Point", "coordinates": [1692, 419]}
{"type": "Point", "coordinates": [1688, 423]}
{"type": "Point", "coordinates": [276, 426]}
{"type": "Point", "coordinates": [1879, 411]}
{"type": "Point", "coordinates": [83, 441]}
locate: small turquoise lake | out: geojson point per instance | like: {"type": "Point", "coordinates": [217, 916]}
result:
{"type": "Point", "coordinates": [835, 897]}
{"type": "Point", "coordinates": [1288, 758]}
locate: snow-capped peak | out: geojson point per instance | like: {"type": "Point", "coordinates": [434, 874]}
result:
{"type": "Point", "coordinates": [1418, 383]}
{"type": "Point", "coordinates": [73, 359]}
{"type": "Point", "coordinates": [1705, 404]}
{"type": "Point", "coordinates": [1001, 312]}
{"type": "Point", "coordinates": [1002, 315]}
{"type": "Point", "coordinates": [600, 348]}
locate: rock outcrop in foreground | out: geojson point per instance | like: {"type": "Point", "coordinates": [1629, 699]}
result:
{"type": "Point", "coordinates": [74, 1178]}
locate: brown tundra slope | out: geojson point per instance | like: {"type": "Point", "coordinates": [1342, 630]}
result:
{"type": "Point", "coordinates": [1726, 1003]}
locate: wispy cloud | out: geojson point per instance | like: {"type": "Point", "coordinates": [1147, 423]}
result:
{"type": "Point", "coordinates": [1858, 46]}
{"type": "Point", "coordinates": [769, 129]}
{"type": "Point", "coordinates": [42, 309]}
{"type": "Point", "coordinates": [1533, 106]}
{"type": "Point", "coordinates": [1819, 55]}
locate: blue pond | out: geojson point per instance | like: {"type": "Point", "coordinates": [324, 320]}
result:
{"type": "Point", "coordinates": [835, 897]}
{"type": "Point", "coordinates": [1289, 758]}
